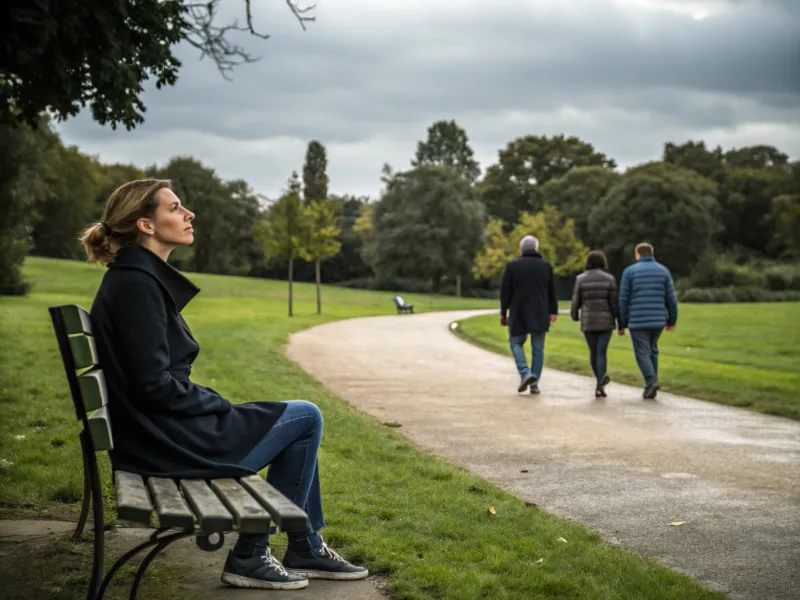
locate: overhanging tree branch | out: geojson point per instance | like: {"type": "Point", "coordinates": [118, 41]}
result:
{"type": "Point", "coordinates": [212, 40]}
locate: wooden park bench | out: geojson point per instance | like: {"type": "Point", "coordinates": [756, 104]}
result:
{"type": "Point", "coordinates": [401, 306]}
{"type": "Point", "coordinates": [204, 509]}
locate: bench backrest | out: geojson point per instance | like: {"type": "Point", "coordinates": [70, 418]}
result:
{"type": "Point", "coordinates": [73, 330]}
{"type": "Point", "coordinates": [398, 300]}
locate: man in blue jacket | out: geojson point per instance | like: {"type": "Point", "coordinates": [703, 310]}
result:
{"type": "Point", "coordinates": [647, 304]}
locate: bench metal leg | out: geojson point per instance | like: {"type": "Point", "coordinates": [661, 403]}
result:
{"type": "Point", "coordinates": [163, 543]}
{"type": "Point", "coordinates": [157, 542]}
{"type": "Point", "coordinates": [87, 497]}
{"type": "Point", "coordinates": [96, 486]}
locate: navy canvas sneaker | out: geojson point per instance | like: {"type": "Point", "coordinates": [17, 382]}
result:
{"type": "Point", "coordinates": [264, 572]}
{"type": "Point", "coordinates": [321, 563]}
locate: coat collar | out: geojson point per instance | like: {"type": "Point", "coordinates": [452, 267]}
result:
{"type": "Point", "coordinates": [534, 253]}
{"type": "Point", "coordinates": [178, 287]}
{"type": "Point", "coordinates": [646, 259]}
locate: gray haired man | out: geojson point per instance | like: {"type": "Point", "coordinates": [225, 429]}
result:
{"type": "Point", "coordinates": [528, 305]}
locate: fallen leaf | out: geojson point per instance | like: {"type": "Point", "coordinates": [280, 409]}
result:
{"type": "Point", "coordinates": [562, 540]}
{"type": "Point", "coordinates": [19, 437]}
{"type": "Point", "coordinates": [492, 510]}
{"type": "Point", "coordinates": [391, 424]}
{"type": "Point", "coordinates": [524, 471]}
{"type": "Point", "coordinates": [677, 523]}
{"type": "Point", "coordinates": [538, 562]}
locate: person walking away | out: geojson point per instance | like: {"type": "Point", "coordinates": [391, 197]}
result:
{"type": "Point", "coordinates": [647, 304]}
{"type": "Point", "coordinates": [594, 304]}
{"type": "Point", "coordinates": [528, 306]}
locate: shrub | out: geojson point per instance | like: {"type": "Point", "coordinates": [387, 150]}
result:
{"type": "Point", "coordinates": [736, 294]}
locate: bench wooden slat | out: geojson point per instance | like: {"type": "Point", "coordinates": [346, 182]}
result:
{"type": "Point", "coordinates": [211, 512]}
{"type": "Point", "coordinates": [170, 506]}
{"type": "Point", "coordinates": [250, 516]}
{"type": "Point", "coordinates": [100, 430]}
{"type": "Point", "coordinates": [133, 501]}
{"type": "Point", "coordinates": [287, 515]}
{"type": "Point", "coordinates": [83, 350]}
{"type": "Point", "coordinates": [76, 320]}
{"type": "Point", "coordinates": [93, 390]}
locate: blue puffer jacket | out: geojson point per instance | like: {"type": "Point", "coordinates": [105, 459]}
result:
{"type": "Point", "coordinates": [647, 296]}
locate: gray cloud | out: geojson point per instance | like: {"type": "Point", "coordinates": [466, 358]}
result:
{"type": "Point", "coordinates": [368, 78]}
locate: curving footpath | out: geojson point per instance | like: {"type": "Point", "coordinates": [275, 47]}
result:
{"type": "Point", "coordinates": [623, 466]}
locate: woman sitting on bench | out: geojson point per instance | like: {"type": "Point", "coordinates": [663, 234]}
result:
{"type": "Point", "coordinates": [166, 425]}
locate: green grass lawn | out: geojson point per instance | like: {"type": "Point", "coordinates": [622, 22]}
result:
{"type": "Point", "coordinates": [399, 510]}
{"type": "Point", "coordinates": [740, 354]}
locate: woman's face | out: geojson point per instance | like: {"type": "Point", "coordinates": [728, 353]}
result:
{"type": "Point", "coordinates": [172, 225]}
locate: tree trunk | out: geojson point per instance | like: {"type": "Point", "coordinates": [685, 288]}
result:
{"type": "Point", "coordinates": [291, 278]}
{"type": "Point", "coordinates": [319, 297]}
{"type": "Point", "coordinates": [436, 283]}
{"type": "Point", "coordinates": [458, 286]}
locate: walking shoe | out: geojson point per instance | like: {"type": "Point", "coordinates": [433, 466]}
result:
{"type": "Point", "coordinates": [535, 388]}
{"type": "Point", "coordinates": [601, 390]}
{"type": "Point", "coordinates": [529, 380]}
{"type": "Point", "coordinates": [651, 391]}
{"type": "Point", "coordinates": [263, 572]}
{"type": "Point", "coordinates": [321, 563]}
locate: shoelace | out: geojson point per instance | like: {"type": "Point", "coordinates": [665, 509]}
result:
{"type": "Point", "coordinates": [331, 554]}
{"type": "Point", "coordinates": [273, 562]}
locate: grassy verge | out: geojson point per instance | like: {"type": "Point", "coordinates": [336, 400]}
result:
{"type": "Point", "coordinates": [401, 511]}
{"type": "Point", "coordinates": [740, 354]}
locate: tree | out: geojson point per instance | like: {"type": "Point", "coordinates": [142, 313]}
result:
{"type": "Point", "coordinates": [61, 56]}
{"type": "Point", "coordinates": [695, 156]}
{"type": "Point", "coordinates": [786, 212]}
{"type": "Point", "coordinates": [18, 180]}
{"type": "Point", "coordinates": [673, 208]}
{"type": "Point", "coordinates": [510, 185]}
{"type": "Point", "coordinates": [282, 231]}
{"type": "Point", "coordinates": [576, 193]}
{"type": "Point", "coordinates": [322, 241]}
{"type": "Point", "coordinates": [755, 157]}
{"type": "Point", "coordinates": [447, 144]}
{"type": "Point", "coordinates": [746, 198]}
{"type": "Point", "coordinates": [427, 225]}
{"type": "Point", "coordinates": [66, 205]}
{"type": "Point", "coordinates": [558, 244]}
{"type": "Point", "coordinates": [315, 178]}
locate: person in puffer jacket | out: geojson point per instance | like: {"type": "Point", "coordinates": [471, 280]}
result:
{"type": "Point", "coordinates": [594, 303]}
{"type": "Point", "coordinates": [647, 304]}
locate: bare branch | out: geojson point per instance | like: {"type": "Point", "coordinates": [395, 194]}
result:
{"type": "Point", "coordinates": [300, 12]}
{"type": "Point", "coordinates": [213, 40]}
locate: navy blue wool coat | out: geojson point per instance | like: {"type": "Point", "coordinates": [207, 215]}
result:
{"type": "Point", "coordinates": [162, 422]}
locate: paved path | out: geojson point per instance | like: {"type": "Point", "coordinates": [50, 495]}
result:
{"type": "Point", "coordinates": [623, 466]}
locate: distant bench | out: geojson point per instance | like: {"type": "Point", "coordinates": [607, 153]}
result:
{"type": "Point", "coordinates": [401, 306]}
{"type": "Point", "coordinates": [205, 509]}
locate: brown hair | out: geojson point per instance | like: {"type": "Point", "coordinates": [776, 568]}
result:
{"type": "Point", "coordinates": [596, 259]}
{"type": "Point", "coordinates": [126, 205]}
{"type": "Point", "coordinates": [644, 249]}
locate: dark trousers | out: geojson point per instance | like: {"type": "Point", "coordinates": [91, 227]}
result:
{"type": "Point", "coordinates": [645, 349]}
{"type": "Point", "coordinates": [598, 347]}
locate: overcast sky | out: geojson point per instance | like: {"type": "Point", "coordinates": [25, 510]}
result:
{"type": "Point", "coordinates": [369, 76]}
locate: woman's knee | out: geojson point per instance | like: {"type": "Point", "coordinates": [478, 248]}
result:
{"type": "Point", "coordinates": [304, 408]}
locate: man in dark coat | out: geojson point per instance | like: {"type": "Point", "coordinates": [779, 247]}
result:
{"type": "Point", "coordinates": [528, 305]}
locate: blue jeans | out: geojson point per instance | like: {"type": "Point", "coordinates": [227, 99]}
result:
{"type": "Point", "coordinates": [598, 346]}
{"type": "Point", "coordinates": [290, 449]}
{"type": "Point", "coordinates": [537, 354]}
{"type": "Point", "coordinates": [645, 349]}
